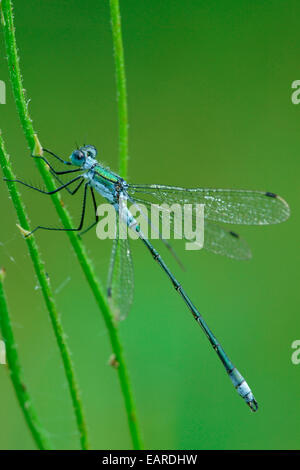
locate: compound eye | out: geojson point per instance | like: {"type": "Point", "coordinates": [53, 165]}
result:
{"type": "Point", "coordinates": [78, 155]}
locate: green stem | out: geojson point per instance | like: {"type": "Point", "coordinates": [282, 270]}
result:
{"type": "Point", "coordinates": [121, 85]}
{"type": "Point", "coordinates": [13, 362]}
{"type": "Point", "coordinates": [47, 294]}
{"type": "Point", "coordinates": [85, 262]}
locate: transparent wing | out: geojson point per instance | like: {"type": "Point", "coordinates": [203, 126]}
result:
{"type": "Point", "coordinates": [120, 284]}
{"type": "Point", "coordinates": [225, 242]}
{"type": "Point", "coordinates": [216, 239]}
{"type": "Point", "coordinates": [221, 205]}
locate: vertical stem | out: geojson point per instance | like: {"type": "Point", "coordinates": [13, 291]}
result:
{"type": "Point", "coordinates": [48, 296]}
{"type": "Point", "coordinates": [123, 129]}
{"type": "Point", "coordinates": [13, 362]}
{"type": "Point", "coordinates": [121, 86]}
{"type": "Point", "coordinates": [79, 249]}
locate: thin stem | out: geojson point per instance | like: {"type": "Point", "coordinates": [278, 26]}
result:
{"type": "Point", "coordinates": [121, 86]}
{"type": "Point", "coordinates": [47, 294]}
{"type": "Point", "coordinates": [39, 434]}
{"type": "Point", "coordinates": [85, 262]}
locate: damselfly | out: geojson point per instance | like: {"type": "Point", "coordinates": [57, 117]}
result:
{"type": "Point", "coordinates": [221, 205]}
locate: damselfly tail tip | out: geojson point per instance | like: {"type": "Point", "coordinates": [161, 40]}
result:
{"type": "Point", "coordinates": [253, 405]}
{"type": "Point", "coordinates": [243, 389]}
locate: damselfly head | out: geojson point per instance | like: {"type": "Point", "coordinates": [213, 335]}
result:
{"type": "Point", "coordinates": [79, 156]}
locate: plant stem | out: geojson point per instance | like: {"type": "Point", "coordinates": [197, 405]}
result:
{"type": "Point", "coordinates": [47, 294]}
{"type": "Point", "coordinates": [121, 86]}
{"type": "Point", "coordinates": [13, 362]}
{"type": "Point", "coordinates": [121, 98]}
{"type": "Point", "coordinates": [85, 262]}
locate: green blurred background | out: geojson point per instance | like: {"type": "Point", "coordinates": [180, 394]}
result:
{"type": "Point", "coordinates": [209, 91]}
